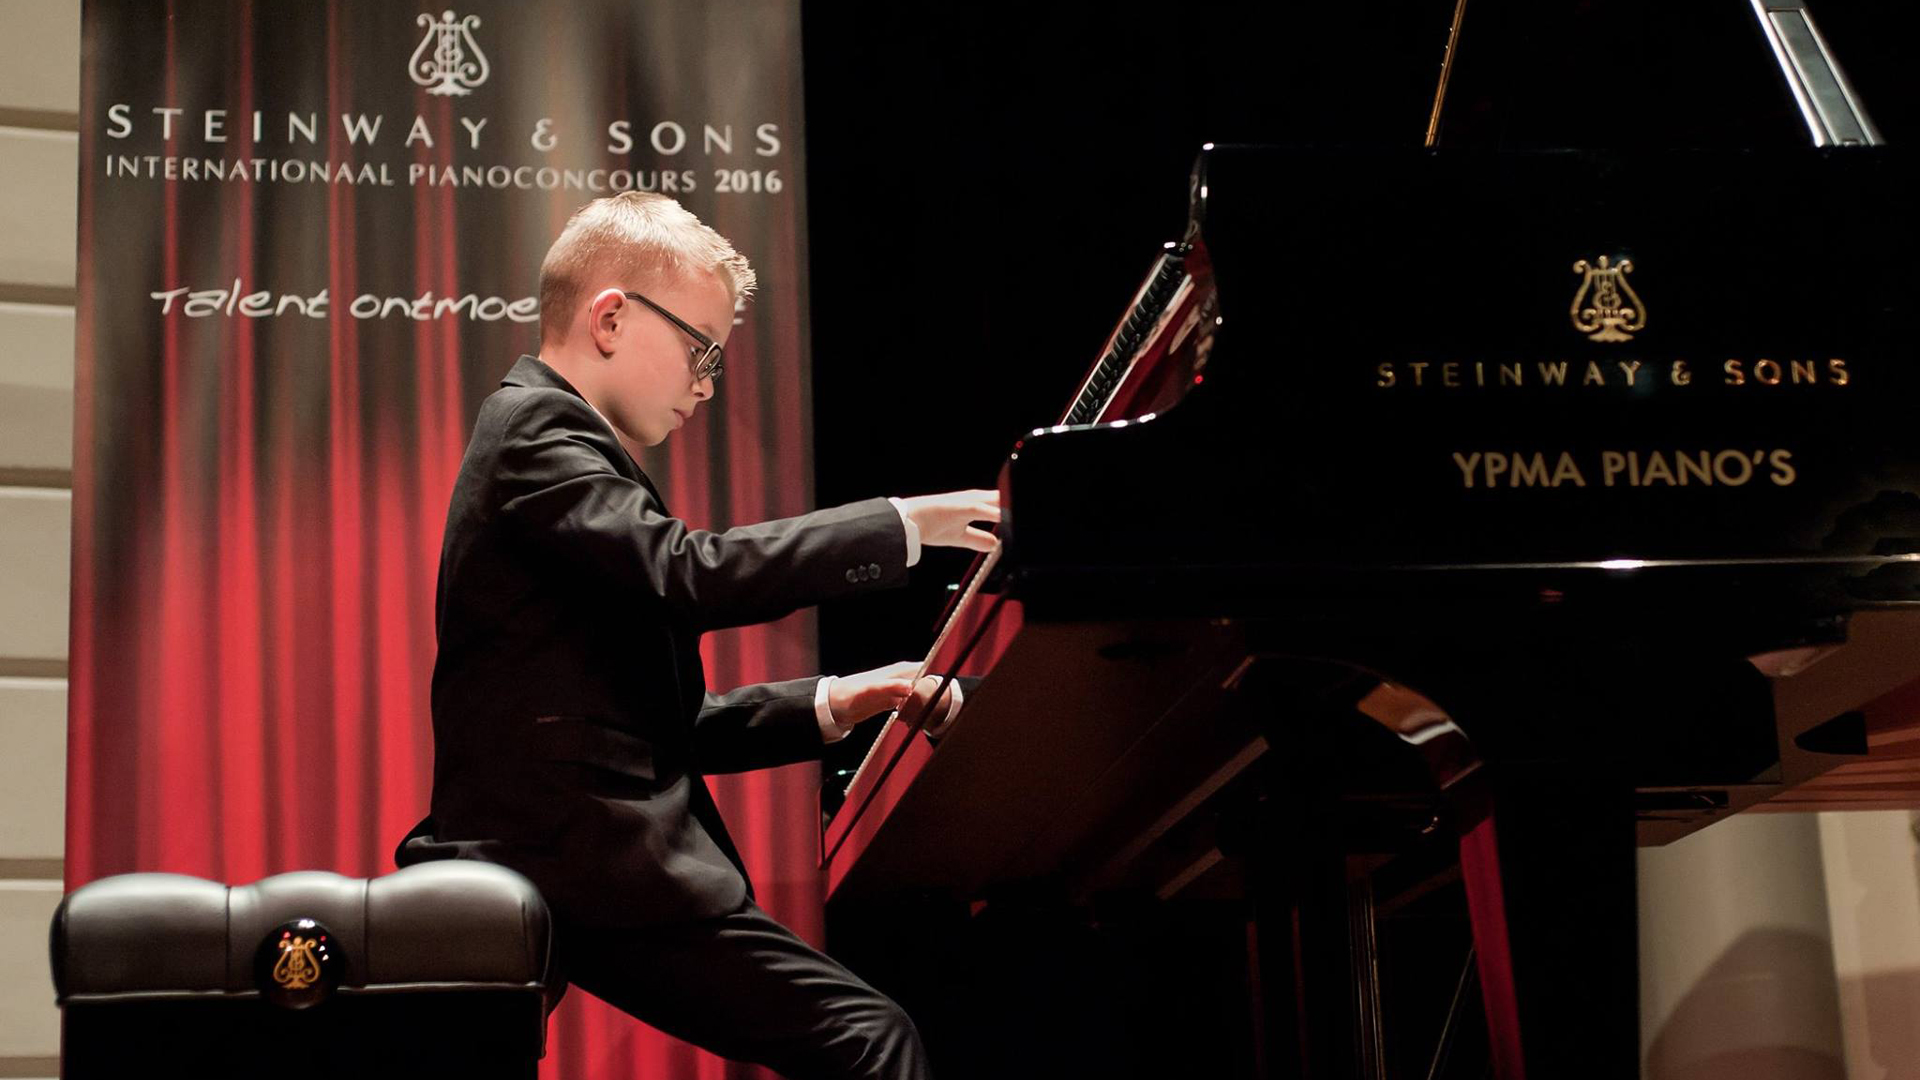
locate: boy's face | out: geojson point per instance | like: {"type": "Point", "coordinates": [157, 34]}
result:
{"type": "Point", "coordinates": [649, 386]}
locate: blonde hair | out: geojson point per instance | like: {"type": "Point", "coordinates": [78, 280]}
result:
{"type": "Point", "coordinates": [633, 237]}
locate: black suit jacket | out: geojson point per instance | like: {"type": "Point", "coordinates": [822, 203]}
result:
{"type": "Point", "coordinates": [571, 720]}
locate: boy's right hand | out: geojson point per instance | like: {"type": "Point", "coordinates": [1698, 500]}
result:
{"type": "Point", "coordinates": [948, 520]}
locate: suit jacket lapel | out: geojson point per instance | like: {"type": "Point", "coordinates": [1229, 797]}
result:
{"type": "Point", "coordinates": [530, 371]}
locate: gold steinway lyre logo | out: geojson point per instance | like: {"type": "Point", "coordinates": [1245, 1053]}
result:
{"type": "Point", "coordinates": [297, 968]}
{"type": "Point", "coordinates": [1605, 307]}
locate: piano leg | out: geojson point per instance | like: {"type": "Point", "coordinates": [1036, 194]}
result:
{"type": "Point", "coordinates": [1317, 961]}
{"type": "Point", "coordinates": [1550, 888]}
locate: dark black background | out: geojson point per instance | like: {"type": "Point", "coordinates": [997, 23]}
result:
{"type": "Point", "coordinates": [989, 181]}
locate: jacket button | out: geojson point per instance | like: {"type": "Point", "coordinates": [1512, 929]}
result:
{"type": "Point", "coordinates": [853, 576]}
{"type": "Point", "coordinates": [873, 571]}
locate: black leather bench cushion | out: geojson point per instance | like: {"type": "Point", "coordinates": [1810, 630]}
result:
{"type": "Point", "coordinates": [443, 925]}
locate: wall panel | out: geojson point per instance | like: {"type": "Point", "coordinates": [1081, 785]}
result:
{"type": "Point", "coordinates": [29, 1022]}
{"type": "Point", "coordinates": [38, 200]}
{"type": "Point", "coordinates": [40, 56]}
{"type": "Point", "coordinates": [35, 534]}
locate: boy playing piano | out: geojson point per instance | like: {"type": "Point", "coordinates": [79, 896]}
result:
{"type": "Point", "coordinates": [572, 725]}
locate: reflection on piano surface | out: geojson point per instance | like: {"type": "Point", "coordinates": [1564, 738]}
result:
{"type": "Point", "coordinates": [1429, 516]}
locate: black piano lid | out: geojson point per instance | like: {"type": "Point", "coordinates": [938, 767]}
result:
{"type": "Point", "coordinates": [1390, 314]}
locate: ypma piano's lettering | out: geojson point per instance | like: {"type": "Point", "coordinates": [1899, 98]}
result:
{"type": "Point", "coordinates": [1484, 469]}
{"type": "Point", "coordinates": [1493, 468]}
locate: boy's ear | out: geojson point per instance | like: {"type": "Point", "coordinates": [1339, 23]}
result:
{"type": "Point", "coordinates": [606, 316]}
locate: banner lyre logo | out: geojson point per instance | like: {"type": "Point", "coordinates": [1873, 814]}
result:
{"type": "Point", "coordinates": [1605, 308]}
{"type": "Point", "coordinates": [448, 60]}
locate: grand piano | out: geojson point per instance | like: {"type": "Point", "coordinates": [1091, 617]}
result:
{"type": "Point", "coordinates": [1449, 515]}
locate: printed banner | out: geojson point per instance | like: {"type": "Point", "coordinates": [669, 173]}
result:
{"type": "Point", "coordinates": [310, 238]}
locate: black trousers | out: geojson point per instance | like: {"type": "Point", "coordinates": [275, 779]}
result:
{"type": "Point", "coordinates": [746, 988]}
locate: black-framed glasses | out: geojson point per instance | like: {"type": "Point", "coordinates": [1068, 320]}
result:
{"type": "Point", "coordinates": [707, 356]}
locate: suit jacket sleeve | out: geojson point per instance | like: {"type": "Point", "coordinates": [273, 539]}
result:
{"type": "Point", "coordinates": [757, 727]}
{"type": "Point", "coordinates": [561, 491]}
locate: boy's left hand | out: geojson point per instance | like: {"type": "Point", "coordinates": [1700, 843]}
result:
{"type": "Point", "coordinates": [854, 698]}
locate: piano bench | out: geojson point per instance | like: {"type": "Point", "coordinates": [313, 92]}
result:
{"type": "Point", "coordinates": [440, 969]}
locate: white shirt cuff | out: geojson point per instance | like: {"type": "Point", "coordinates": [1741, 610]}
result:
{"type": "Point", "coordinates": [830, 730]}
{"type": "Point", "coordinates": [913, 532]}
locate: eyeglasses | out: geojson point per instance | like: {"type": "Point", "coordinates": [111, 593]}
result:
{"type": "Point", "coordinates": [706, 357]}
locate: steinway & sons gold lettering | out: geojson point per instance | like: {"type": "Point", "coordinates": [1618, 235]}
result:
{"type": "Point", "coordinates": [1491, 374]}
{"type": "Point", "coordinates": [1482, 469]}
